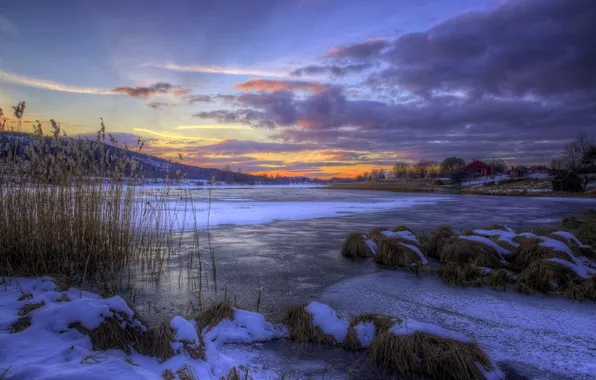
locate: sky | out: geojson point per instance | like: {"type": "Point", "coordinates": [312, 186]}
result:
{"type": "Point", "coordinates": [320, 88]}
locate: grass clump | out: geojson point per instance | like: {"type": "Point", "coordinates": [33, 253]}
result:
{"type": "Point", "coordinates": [355, 246]}
{"type": "Point", "coordinates": [582, 289]}
{"type": "Point", "coordinates": [215, 314]}
{"type": "Point", "coordinates": [401, 228]}
{"type": "Point", "coordinates": [464, 251]}
{"type": "Point", "coordinates": [438, 239]}
{"type": "Point", "coordinates": [27, 308]}
{"type": "Point", "coordinates": [502, 243]}
{"type": "Point", "coordinates": [531, 251]}
{"type": "Point", "coordinates": [20, 325]}
{"type": "Point", "coordinates": [500, 279]}
{"type": "Point", "coordinates": [376, 235]}
{"type": "Point", "coordinates": [429, 356]}
{"type": "Point", "coordinates": [392, 253]}
{"type": "Point", "coordinates": [381, 322]}
{"type": "Point", "coordinates": [465, 274]}
{"type": "Point", "coordinates": [301, 329]}
{"type": "Point", "coordinates": [545, 277]}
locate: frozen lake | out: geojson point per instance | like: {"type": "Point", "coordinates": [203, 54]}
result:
{"type": "Point", "coordinates": [285, 241]}
{"type": "Point", "coordinates": [283, 244]}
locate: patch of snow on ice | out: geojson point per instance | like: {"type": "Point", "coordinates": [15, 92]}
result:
{"type": "Point", "coordinates": [410, 326]}
{"type": "Point", "coordinates": [365, 333]}
{"type": "Point", "coordinates": [247, 327]}
{"type": "Point", "coordinates": [417, 251]}
{"type": "Point", "coordinates": [326, 319]}
{"type": "Point", "coordinates": [579, 269]}
{"type": "Point", "coordinates": [371, 244]}
{"type": "Point", "coordinates": [487, 241]}
{"type": "Point", "coordinates": [407, 235]}
{"type": "Point", "coordinates": [571, 237]}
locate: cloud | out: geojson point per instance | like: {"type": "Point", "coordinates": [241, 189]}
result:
{"type": "Point", "coordinates": [7, 27]}
{"type": "Point", "coordinates": [257, 84]}
{"type": "Point", "coordinates": [333, 70]}
{"type": "Point", "coordinates": [160, 105]}
{"type": "Point", "coordinates": [218, 70]}
{"type": "Point", "coordinates": [159, 88]}
{"type": "Point", "coordinates": [518, 48]}
{"type": "Point", "coordinates": [361, 51]}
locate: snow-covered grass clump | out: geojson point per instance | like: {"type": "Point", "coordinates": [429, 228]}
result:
{"type": "Point", "coordinates": [58, 338]}
{"type": "Point", "coordinates": [408, 347]}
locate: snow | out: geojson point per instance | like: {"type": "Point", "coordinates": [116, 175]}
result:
{"type": "Point", "coordinates": [371, 244]}
{"type": "Point", "coordinates": [487, 241]}
{"type": "Point", "coordinates": [505, 236]}
{"type": "Point", "coordinates": [247, 327]}
{"type": "Point", "coordinates": [184, 330]}
{"type": "Point", "coordinates": [407, 235]}
{"type": "Point", "coordinates": [410, 326]}
{"type": "Point", "coordinates": [571, 237]}
{"type": "Point", "coordinates": [417, 251]}
{"type": "Point", "coordinates": [544, 337]}
{"type": "Point", "coordinates": [49, 349]}
{"type": "Point", "coordinates": [326, 319]}
{"type": "Point", "coordinates": [579, 269]}
{"type": "Point", "coordinates": [365, 333]}
{"type": "Point", "coordinates": [181, 216]}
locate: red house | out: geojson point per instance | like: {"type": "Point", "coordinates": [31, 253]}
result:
{"type": "Point", "coordinates": [477, 169]}
{"type": "Point", "coordinates": [539, 169]}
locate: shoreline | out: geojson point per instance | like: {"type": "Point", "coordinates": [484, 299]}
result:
{"type": "Point", "coordinates": [418, 188]}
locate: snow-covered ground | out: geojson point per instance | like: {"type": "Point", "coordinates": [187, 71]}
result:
{"type": "Point", "coordinates": [50, 349]}
{"type": "Point", "coordinates": [538, 336]}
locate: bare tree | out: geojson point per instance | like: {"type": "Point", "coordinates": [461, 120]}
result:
{"type": "Point", "coordinates": [374, 175]}
{"type": "Point", "coordinates": [451, 165]}
{"type": "Point", "coordinates": [424, 167]}
{"type": "Point", "coordinates": [401, 169]}
{"type": "Point", "coordinates": [579, 156]}
{"type": "Point", "coordinates": [498, 165]}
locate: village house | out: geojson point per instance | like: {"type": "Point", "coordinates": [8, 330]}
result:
{"type": "Point", "coordinates": [477, 169]}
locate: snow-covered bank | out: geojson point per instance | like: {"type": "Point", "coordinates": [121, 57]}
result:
{"type": "Point", "coordinates": [553, 335]}
{"type": "Point", "coordinates": [50, 347]}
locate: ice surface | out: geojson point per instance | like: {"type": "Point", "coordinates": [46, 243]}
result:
{"type": "Point", "coordinates": [326, 318]}
{"type": "Point", "coordinates": [545, 333]}
{"type": "Point", "coordinates": [417, 251]}
{"type": "Point", "coordinates": [410, 326]}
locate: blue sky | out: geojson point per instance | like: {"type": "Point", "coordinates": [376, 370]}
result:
{"type": "Point", "coordinates": [76, 61]}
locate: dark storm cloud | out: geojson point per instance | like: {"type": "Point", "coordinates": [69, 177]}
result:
{"type": "Point", "coordinates": [515, 81]}
{"type": "Point", "coordinates": [160, 88]}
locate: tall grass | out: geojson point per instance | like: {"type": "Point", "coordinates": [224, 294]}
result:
{"type": "Point", "coordinates": [74, 207]}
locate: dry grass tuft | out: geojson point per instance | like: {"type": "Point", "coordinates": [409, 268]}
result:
{"type": "Point", "coordinates": [496, 227]}
{"type": "Point", "coordinates": [438, 239]}
{"type": "Point", "coordinates": [27, 308]}
{"type": "Point", "coordinates": [186, 372]}
{"type": "Point", "coordinates": [215, 314]}
{"type": "Point", "coordinates": [25, 296]}
{"type": "Point", "coordinates": [375, 234]}
{"type": "Point", "coordinates": [502, 243]}
{"type": "Point", "coordinates": [154, 342]}
{"type": "Point", "coordinates": [381, 322]}
{"type": "Point", "coordinates": [401, 228]}
{"type": "Point", "coordinates": [429, 356]}
{"type": "Point", "coordinates": [499, 279]}
{"type": "Point", "coordinates": [20, 325]}
{"type": "Point", "coordinates": [63, 298]}
{"type": "Point", "coordinates": [355, 247]}
{"type": "Point", "coordinates": [544, 276]}
{"type": "Point", "coordinates": [299, 323]}
{"type": "Point", "coordinates": [168, 374]}
{"type": "Point", "coordinates": [582, 289]}
{"type": "Point", "coordinates": [392, 254]}
{"type": "Point", "coordinates": [464, 251]}
{"type": "Point", "coordinates": [465, 274]}
{"type": "Point", "coordinates": [233, 374]}
{"type": "Point", "coordinates": [531, 251]}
